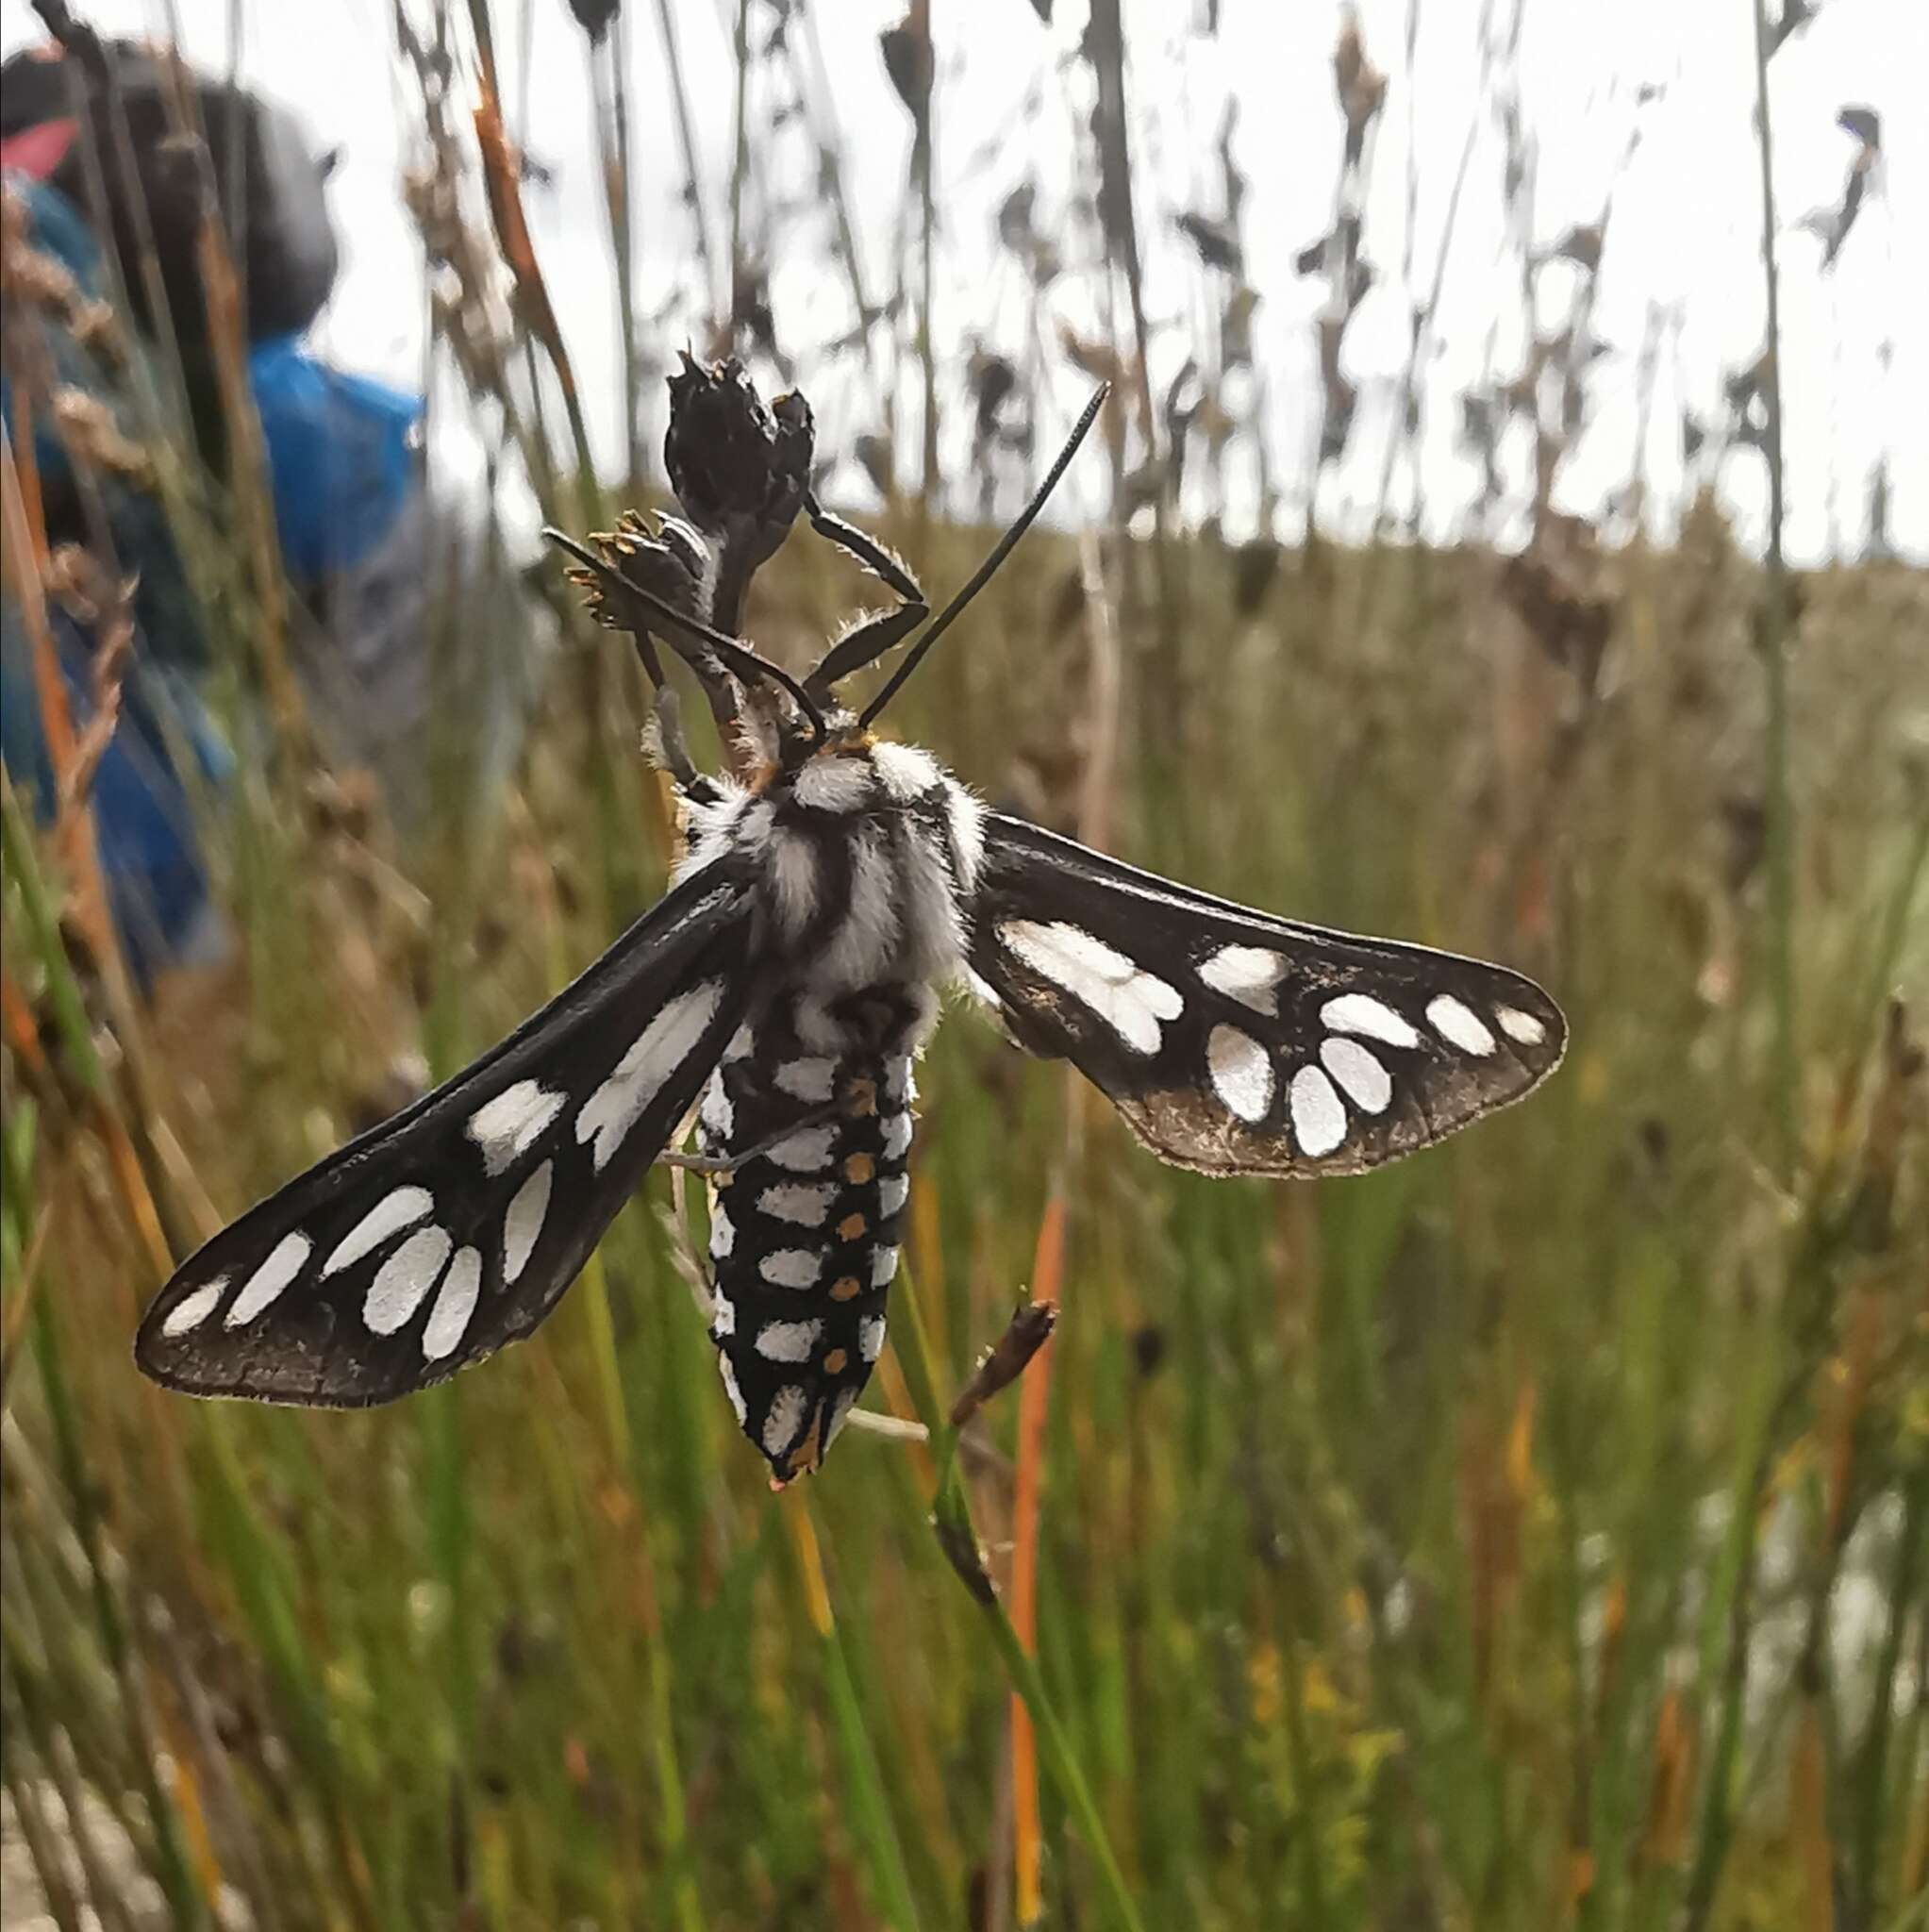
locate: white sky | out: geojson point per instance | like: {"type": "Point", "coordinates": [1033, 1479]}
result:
{"type": "Point", "coordinates": [1684, 233]}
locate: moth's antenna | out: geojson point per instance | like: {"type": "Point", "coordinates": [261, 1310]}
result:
{"type": "Point", "coordinates": [999, 551]}
{"type": "Point", "coordinates": [734, 654]}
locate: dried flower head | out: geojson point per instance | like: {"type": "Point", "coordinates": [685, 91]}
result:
{"type": "Point", "coordinates": [666, 560]}
{"type": "Point", "coordinates": [739, 469]}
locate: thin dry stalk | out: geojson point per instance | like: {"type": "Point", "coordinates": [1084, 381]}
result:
{"type": "Point", "coordinates": [739, 166]}
{"type": "Point", "coordinates": [1047, 1284]}
{"type": "Point", "coordinates": [923, 164]}
{"type": "Point", "coordinates": [224, 306]}
{"type": "Point", "coordinates": [1105, 48]}
{"type": "Point", "coordinates": [107, 610]}
{"type": "Point", "coordinates": [502, 177]}
{"type": "Point", "coordinates": [609, 91]}
{"type": "Point", "coordinates": [247, 456]}
{"type": "Point", "coordinates": [686, 147]}
{"type": "Point", "coordinates": [819, 100]}
{"type": "Point", "coordinates": [1406, 421]}
{"type": "Point", "coordinates": [1361, 89]}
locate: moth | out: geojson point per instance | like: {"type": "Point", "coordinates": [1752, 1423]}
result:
{"type": "Point", "coordinates": [781, 991]}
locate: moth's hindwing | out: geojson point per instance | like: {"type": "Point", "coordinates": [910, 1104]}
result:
{"type": "Point", "coordinates": [429, 1241]}
{"type": "Point", "coordinates": [1235, 1042]}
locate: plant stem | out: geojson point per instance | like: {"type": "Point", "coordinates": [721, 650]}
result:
{"type": "Point", "coordinates": [172, 1868]}
{"type": "Point", "coordinates": [951, 1522]}
{"type": "Point", "coordinates": [740, 165]}
{"type": "Point", "coordinates": [1773, 642]}
{"type": "Point", "coordinates": [686, 143]}
{"type": "Point", "coordinates": [1872, 1760]}
{"type": "Point", "coordinates": [609, 91]}
{"type": "Point", "coordinates": [922, 160]}
{"type": "Point", "coordinates": [871, 1819]}
{"type": "Point", "coordinates": [831, 141]}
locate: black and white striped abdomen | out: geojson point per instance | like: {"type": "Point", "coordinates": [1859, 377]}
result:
{"type": "Point", "coordinates": [804, 1228]}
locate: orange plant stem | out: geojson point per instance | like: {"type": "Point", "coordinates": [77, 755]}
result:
{"type": "Point", "coordinates": [1048, 1267]}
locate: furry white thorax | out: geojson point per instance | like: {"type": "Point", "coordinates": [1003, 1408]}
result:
{"type": "Point", "coordinates": [891, 836]}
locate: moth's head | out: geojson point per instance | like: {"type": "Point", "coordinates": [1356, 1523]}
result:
{"type": "Point", "coordinates": [651, 581]}
{"type": "Point", "coordinates": [845, 735]}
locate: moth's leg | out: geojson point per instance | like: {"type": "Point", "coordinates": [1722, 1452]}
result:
{"type": "Point", "coordinates": [714, 1165]}
{"type": "Point", "coordinates": [690, 1256]}
{"type": "Point", "coordinates": [704, 1163]}
{"type": "Point", "coordinates": [865, 643]}
{"type": "Point", "coordinates": [672, 751]}
{"type": "Point", "coordinates": [872, 555]}
{"type": "Point", "coordinates": [871, 637]}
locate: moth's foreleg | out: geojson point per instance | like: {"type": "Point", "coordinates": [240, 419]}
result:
{"type": "Point", "coordinates": [714, 1165]}
{"type": "Point", "coordinates": [872, 555]}
{"type": "Point", "coordinates": [868, 641]}
{"type": "Point", "coordinates": [708, 1165]}
{"type": "Point", "coordinates": [668, 746]}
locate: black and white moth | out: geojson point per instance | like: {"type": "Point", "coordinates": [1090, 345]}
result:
{"type": "Point", "coordinates": [783, 989]}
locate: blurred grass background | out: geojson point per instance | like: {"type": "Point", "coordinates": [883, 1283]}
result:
{"type": "Point", "coordinates": [1531, 1535]}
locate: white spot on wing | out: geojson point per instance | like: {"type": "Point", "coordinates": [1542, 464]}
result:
{"type": "Point", "coordinates": [1246, 973]}
{"type": "Point", "coordinates": [283, 1263]}
{"type": "Point", "coordinates": [1459, 1025]}
{"type": "Point", "coordinates": [806, 1152]}
{"type": "Point", "coordinates": [1319, 1116]}
{"type": "Point", "coordinates": [833, 784]}
{"type": "Point", "coordinates": [404, 1278]}
{"type": "Point", "coordinates": [788, 1341]}
{"type": "Point", "coordinates": [871, 1337]}
{"type": "Point", "coordinates": [891, 1192]}
{"type": "Point", "coordinates": [401, 1208]}
{"type": "Point", "coordinates": [1366, 1081]}
{"type": "Point", "coordinates": [897, 1135]}
{"type": "Point", "coordinates": [448, 1321]}
{"type": "Point", "coordinates": [522, 1223]}
{"type": "Point", "coordinates": [722, 1316]}
{"type": "Point", "coordinates": [791, 1267]}
{"type": "Point", "coordinates": [1241, 1072]}
{"type": "Point", "coordinates": [1522, 1028]}
{"type": "Point", "coordinates": [664, 1044]}
{"type": "Point", "coordinates": [509, 1125]}
{"type": "Point", "coordinates": [732, 1390]}
{"type": "Point", "coordinates": [1360, 1012]}
{"type": "Point", "coordinates": [192, 1310]}
{"type": "Point", "coordinates": [883, 1267]}
{"type": "Point", "coordinates": [807, 1079]}
{"type": "Point", "coordinates": [900, 1085]}
{"type": "Point", "coordinates": [905, 772]}
{"type": "Point", "coordinates": [806, 1202]}
{"type": "Point", "coordinates": [784, 1420]}
{"type": "Point", "coordinates": [1128, 999]}
{"type": "Point", "coordinates": [723, 1231]}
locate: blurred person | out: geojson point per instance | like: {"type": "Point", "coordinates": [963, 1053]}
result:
{"type": "Point", "coordinates": [361, 540]}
